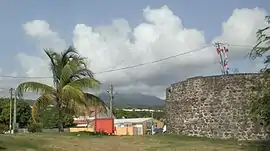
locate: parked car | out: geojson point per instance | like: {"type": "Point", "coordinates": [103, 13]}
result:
{"type": "Point", "coordinates": [158, 131]}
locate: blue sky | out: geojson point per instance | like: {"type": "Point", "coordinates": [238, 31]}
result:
{"type": "Point", "coordinates": [64, 15]}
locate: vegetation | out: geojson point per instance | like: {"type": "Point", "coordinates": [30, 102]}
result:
{"type": "Point", "coordinates": [70, 77]}
{"type": "Point", "coordinates": [48, 117]}
{"type": "Point", "coordinates": [23, 113]}
{"type": "Point", "coordinates": [34, 127]}
{"type": "Point", "coordinates": [80, 141]}
{"type": "Point", "coordinates": [261, 104]}
{"type": "Point", "coordinates": [138, 114]}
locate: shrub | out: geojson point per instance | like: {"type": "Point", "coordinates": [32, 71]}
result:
{"type": "Point", "coordinates": [16, 130]}
{"type": "Point", "coordinates": [34, 127]}
{"type": "Point", "coordinates": [96, 133]}
{"type": "Point", "coordinates": [3, 128]}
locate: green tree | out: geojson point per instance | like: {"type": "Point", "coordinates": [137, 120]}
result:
{"type": "Point", "coordinates": [70, 77]}
{"type": "Point", "coordinates": [4, 111]}
{"type": "Point", "coordinates": [138, 114]}
{"type": "Point", "coordinates": [263, 44]}
{"type": "Point", "coordinates": [23, 112]}
{"type": "Point", "coordinates": [48, 117]}
{"type": "Point", "coordinates": [260, 106]}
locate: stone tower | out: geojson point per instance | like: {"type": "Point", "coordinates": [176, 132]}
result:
{"type": "Point", "coordinates": [213, 106]}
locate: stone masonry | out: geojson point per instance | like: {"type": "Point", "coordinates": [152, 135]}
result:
{"type": "Point", "coordinates": [213, 106]}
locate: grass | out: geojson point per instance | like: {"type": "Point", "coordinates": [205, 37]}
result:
{"type": "Point", "coordinates": [84, 142]}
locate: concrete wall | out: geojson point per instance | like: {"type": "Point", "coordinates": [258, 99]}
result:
{"type": "Point", "coordinates": [83, 129]}
{"type": "Point", "coordinates": [127, 130]}
{"type": "Point", "coordinates": [214, 106]}
{"type": "Point", "coordinates": [53, 130]}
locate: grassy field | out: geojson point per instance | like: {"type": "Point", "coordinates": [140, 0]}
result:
{"type": "Point", "coordinates": [84, 142]}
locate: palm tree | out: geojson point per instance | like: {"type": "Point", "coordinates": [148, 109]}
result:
{"type": "Point", "coordinates": [70, 77]}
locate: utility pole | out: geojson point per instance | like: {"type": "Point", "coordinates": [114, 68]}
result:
{"type": "Point", "coordinates": [95, 121]}
{"type": "Point", "coordinates": [110, 91]}
{"type": "Point", "coordinates": [14, 111]}
{"type": "Point", "coordinates": [10, 109]}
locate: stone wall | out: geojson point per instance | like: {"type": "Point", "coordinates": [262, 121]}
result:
{"type": "Point", "coordinates": [214, 106]}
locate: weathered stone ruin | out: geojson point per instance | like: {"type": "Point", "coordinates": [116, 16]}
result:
{"type": "Point", "coordinates": [213, 106]}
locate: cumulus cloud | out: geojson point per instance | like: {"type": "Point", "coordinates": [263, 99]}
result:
{"type": "Point", "coordinates": [42, 31]}
{"type": "Point", "coordinates": [240, 30]}
{"type": "Point", "coordinates": [37, 66]}
{"type": "Point", "coordinates": [242, 26]}
{"type": "Point", "coordinates": [160, 35]}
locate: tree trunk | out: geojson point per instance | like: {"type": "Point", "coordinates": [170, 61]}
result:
{"type": "Point", "coordinates": [61, 122]}
{"type": "Point", "coordinates": [60, 116]}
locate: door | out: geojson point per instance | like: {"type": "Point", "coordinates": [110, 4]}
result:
{"type": "Point", "coordinates": [138, 129]}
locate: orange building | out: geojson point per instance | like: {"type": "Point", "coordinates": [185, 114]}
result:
{"type": "Point", "coordinates": [132, 126]}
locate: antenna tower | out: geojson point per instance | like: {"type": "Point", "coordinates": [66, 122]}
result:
{"type": "Point", "coordinates": [222, 51]}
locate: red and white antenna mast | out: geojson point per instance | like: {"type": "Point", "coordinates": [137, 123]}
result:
{"type": "Point", "coordinates": [222, 51]}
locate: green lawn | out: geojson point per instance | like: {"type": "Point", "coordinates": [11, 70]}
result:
{"type": "Point", "coordinates": [84, 142]}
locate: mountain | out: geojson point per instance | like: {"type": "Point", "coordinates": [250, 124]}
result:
{"type": "Point", "coordinates": [129, 100]}
{"type": "Point", "coordinates": [133, 100]}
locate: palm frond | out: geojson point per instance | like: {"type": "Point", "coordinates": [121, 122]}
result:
{"type": "Point", "coordinates": [85, 83]}
{"type": "Point", "coordinates": [65, 75]}
{"type": "Point", "coordinates": [69, 93]}
{"type": "Point", "coordinates": [68, 55]}
{"type": "Point", "coordinates": [41, 102]}
{"type": "Point", "coordinates": [76, 108]}
{"type": "Point", "coordinates": [82, 73]}
{"type": "Point", "coordinates": [53, 56]}
{"type": "Point", "coordinates": [34, 87]}
{"type": "Point", "coordinates": [93, 100]}
{"type": "Point", "coordinates": [71, 63]}
{"type": "Point", "coordinates": [67, 52]}
{"type": "Point", "coordinates": [78, 61]}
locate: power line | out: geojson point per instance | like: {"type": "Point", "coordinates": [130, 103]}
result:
{"type": "Point", "coordinates": [5, 88]}
{"type": "Point", "coordinates": [123, 68]}
{"type": "Point", "coordinates": [155, 61]}
{"type": "Point", "coordinates": [131, 66]}
{"type": "Point", "coordinates": [243, 46]}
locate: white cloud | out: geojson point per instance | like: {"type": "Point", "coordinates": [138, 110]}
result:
{"type": "Point", "coordinates": [35, 67]}
{"type": "Point", "coordinates": [42, 31]}
{"type": "Point", "coordinates": [242, 26]}
{"type": "Point", "coordinates": [160, 35]}
{"type": "Point", "coordinates": [240, 29]}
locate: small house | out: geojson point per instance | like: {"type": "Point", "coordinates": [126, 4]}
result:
{"type": "Point", "coordinates": [132, 126]}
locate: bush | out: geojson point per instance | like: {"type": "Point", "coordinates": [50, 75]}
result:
{"type": "Point", "coordinates": [68, 121]}
{"type": "Point", "coordinates": [16, 130]}
{"type": "Point", "coordinates": [34, 127]}
{"type": "Point", "coordinates": [96, 133]}
{"type": "Point", "coordinates": [3, 128]}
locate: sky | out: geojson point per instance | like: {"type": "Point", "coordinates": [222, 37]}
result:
{"type": "Point", "coordinates": [115, 34]}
